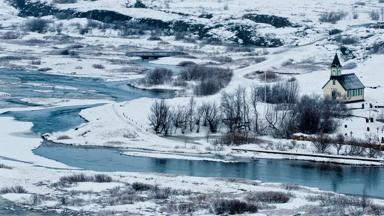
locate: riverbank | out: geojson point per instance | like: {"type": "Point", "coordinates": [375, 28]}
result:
{"type": "Point", "coordinates": [121, 125]}
{"type": "Point", "coordinates": [158, 194]}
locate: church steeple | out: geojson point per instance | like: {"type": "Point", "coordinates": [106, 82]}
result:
{"type": "Point", "coordinates": [336, 66]}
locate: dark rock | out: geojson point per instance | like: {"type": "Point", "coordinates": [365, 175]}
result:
{"type": "Point", "coordinates": [276, 21]}
{"type": "Point", "coordinates": [347, 53]}
{"type": "Point", "coordinates": [334, 31]}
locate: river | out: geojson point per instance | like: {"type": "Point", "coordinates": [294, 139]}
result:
{"type": "Point", "coordinates": [355, 180]}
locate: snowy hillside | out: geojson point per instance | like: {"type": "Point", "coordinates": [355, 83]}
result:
{"type": "Point", "coordinates": [287, 40]}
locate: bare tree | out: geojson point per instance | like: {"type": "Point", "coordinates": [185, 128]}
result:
{"type": "Point", "coordinates": [255, 99]}
{"type": "Point", "coordinates": [322, 143]}
{"type": "Point", "coordinates": [158, 76]}
{"type": "Point", "coordinates": [280, 122]}
{"type": "Point", "coordinates": [282, 92]}
{"type": "Point", "coordinates": [214, 118]}
{"type": "Point", "coordinates": [272, 117]}
{"type": "Point", "coordinates": [160, 117]}
{"type": "Point", "coordinates": [373, 139]}
{"type": "Point", "coordinates": [340, 139]}
{"type": "Point", "coordinates": [236, 110]}
{"type": "Point", "coordinates": [191, 114]}
{"type": "Point", "coordinates": [179, 118]}
{"type": "Point", "coordinates": [210, 115]}
{"type": "Point", "coordinates": [354, 148]}
{"type": "Point", "coordinates": [374, 153]}
{"type": "Point", "coordinates": [203, 111]}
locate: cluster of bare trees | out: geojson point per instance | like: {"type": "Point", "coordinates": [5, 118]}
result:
{"type": "Point", "coordinates": [348, 146]}
{"type": "Point", "coordinates": [244, 110]}
{"type": "Point", "coordinates": [238, 113]}
{"type": "Point", "coordinates": [211, 116]}
{"type": "Point", "coordinates": [235, 109]}
{"type": "Point", "coordinates": [317, 115]}
{"type": "Point", "coordinates": [160, 117]}
{"type": "Point", "coordinates": [184, 118]}
{"type": "Point", "coordinates": [158, 76]}
{"type": "Point", "coordinates": [204, 80]}
{"type": "Point", "coordinates": [281, 92]}
{"type": "Point", "coordinates": [244, 114]}
{"type": "Point", "coordinates": [209, 79]}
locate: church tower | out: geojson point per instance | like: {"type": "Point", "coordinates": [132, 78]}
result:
{"type": "Point", "coordinates": [336, 67]}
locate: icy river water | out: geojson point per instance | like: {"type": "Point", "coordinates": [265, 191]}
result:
{"type": "Point", "coordinates": [355, 180]}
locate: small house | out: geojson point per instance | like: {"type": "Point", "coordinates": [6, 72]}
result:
{"type": "Point", "coordinates": [343, 87]}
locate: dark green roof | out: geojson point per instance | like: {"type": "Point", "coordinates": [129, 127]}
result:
{"type": "Point", "coordinates": [349, 81]}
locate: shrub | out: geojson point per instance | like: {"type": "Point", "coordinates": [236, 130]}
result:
{"type": "Point", "coordinates": [322, 143]}
{"type": "Point", "coordinates": [154, 38]}
{"type": "Point", "coordinates": [63, 137]}
{"type": "Point", "coordinates": [36, 199]}
{"type": "Point", "coordinates": [180, 35]}
{"type": "Point", "coordinates": [98, 66]}
{"type": "Point", "coordinates": [281, 92]}
{"type": "Point", "coordinates": [64, 52]}
{"type": "Point", "coordinates": [291, 187]}
{"type": "Point", "coordinates": [316, 115]}
{"type": "Point", "coordinates": [347, 40]}
{"type": "Point", "coordinates": [186, 63]}
{"type": "Point", "coordinates": [332, 17]}
{"type": "Point", "coordinates": [11, 35]}
{"type": "Point", "coordinates": [64, 1]}
{"type": "Point", "coordinates": [37, 25]}
{"type": "Point", "coordinates": [15, 189]}
{"type": "Point", "coordinates": [138, 186]}
{"type": "Point", "coordinates": [267, 76]}
{"type": "Point", "coordinates": [101, 178]}
{"type": "Point", "coordinates": [375, 15]}
{"type": "Point", "coordinates": [207, 87]}
{"type": "Point", "coordinates": [212, 79]}
{"type": "Point", "coordinates": [139, 4]}
{"type": "Point", "coordinates": [360, 3]}
{"type": "Point", "coordinates": [223, 59]}
{"type": "Point", "coordinates": [238, 48]}
{"type": "Point", "coordinates": [2, 166]}
{"type": "Point", "coordinates": [269, 197]}
{"type": "Point", "coordinates": [158, 76]}
{"type": "Point", "coordinates": [342, 200]}
{"type": "Point", "coordinates": [342, 205]}
{"type": "Point", "coordinates": [238, 138]}
{"type": "Point", "coordinates": [377, 47]}
{"type": "Point", "coordinates": [75, 178]}
{"type": "Point", "coordinates": [355, 15]}
{"type": "Point", "coordinates": [180, 208]}
{"type": "Point", "coordinates": [160, 193]}
{"type": "Point", "coordinates": [223, 206]}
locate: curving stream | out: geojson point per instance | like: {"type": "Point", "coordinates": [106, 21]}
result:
{"type": "Point", "coordinates": [338, 178]}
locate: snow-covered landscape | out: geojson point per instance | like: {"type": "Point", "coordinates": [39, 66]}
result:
{"type": "Point", "coordinates": [175, 107]}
